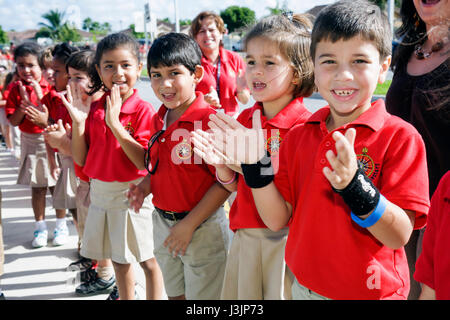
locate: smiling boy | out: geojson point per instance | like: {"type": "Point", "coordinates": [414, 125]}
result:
{"type": "Point", "coordinates": [352, 180]}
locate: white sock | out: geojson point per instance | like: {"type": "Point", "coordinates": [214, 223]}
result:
{"type": "Point", "coordinates": [41, 225]}
{"type": "Point", "coordinates": [60, 222]}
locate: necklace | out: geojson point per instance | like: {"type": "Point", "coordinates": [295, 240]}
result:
{"type": "Point", "coordinates": [421, 54]}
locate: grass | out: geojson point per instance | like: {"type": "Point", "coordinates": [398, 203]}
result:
{"type": "Point", "coordinates": [382, 89]}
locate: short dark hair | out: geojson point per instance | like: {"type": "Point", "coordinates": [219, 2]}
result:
{"type": "Point", "coordinates": [174, 49]}
{"type": "Point", "coordinates": [111, 42]}
{"type": "Point", "coordinates": [346, 19]}
{"type": "Point", "coordinates": [26, 49]}
{"type": "Point", "coordinates": [63, 51]}
{"type": "Point", "coordinates": [81, 60]}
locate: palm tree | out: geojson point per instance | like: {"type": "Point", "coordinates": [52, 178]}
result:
{"type": "Point", "coordinates": [55, 23]}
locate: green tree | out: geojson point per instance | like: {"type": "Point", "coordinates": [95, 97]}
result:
{"type": "Point", "coordinates": [236, 17]}
{"type": "Point", "coordinates": [278, 9]}
{"type": "Point", "coordinates": [68, 33]}
{"type": "Point", "coordinates": [3, 36]}
{"type": "Point", "coordinates": [96, 27]}
{"type": "Point", "coordinates": [54, 24]}
{"type": "Point", "coordinates": [137, 35]}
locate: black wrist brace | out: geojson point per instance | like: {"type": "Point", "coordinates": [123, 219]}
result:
{"type": "Point", "coordinates": [260, 174]}
{"type": "Point", "coordinates": [360, 195]}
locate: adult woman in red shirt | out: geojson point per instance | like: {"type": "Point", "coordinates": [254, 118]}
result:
{"type": "Point", "coordinates": [223, 83]}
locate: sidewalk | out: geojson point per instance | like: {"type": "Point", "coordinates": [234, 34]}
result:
{"type": "Point", "coordinates": [37, 274]}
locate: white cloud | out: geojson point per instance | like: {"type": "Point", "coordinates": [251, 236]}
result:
{"type": "Point", "coordinates": [25, 14]}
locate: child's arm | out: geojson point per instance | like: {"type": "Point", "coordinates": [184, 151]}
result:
{"type": "Point", "coordinates": [395, 225]}
{"type": "Point", "coordinates": [246, 146]}
{"type": "Point", "coordinates": [79, 111]}
{"type": "Point", "coordinates": [19, 113]}
{"type": "Point", "coordinates": [181, 234]}
{"type": "Point", "coordinates": [52, 165]}
{"type": "Point", "coordinates": [134, 151]}
{"type": "Point", "coordinates": [427, 293]}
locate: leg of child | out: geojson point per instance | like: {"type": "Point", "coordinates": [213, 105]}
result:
{"type": "Point", "coordinates": [153, 279]}
{"type": "Point", "coordinates": [124, 280]}
{"type": "Point", "coordinates": [38, 202]}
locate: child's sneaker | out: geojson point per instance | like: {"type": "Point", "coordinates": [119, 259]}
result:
{"type": "Point", "coordinates": [60, 235]}
{"type": "Point", "coordinates": [40, 238]}
{"type": "Point", "coordinates": [114, 295]}
{"type": "Point", "coordinates": [95, 286]}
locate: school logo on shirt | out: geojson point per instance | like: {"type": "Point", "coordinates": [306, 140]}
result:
{"type": "Point", "coordinates": [273, 144]}
{"type": "Point", "coordinates": [369, 166]}
{"type": "Point", "coordinates": [183, 150]}
{"type": "Point", "coordinates": [129, 129]}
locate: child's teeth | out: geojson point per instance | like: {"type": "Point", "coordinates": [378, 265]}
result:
{"type": "Point", "coordinates": [344, 92]}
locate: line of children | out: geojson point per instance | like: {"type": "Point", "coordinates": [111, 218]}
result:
{"type": "Point", "coordinates": [279, 74]}
{"type": "Point", "coordinates": [347, 224]}
{"type": "Point", "coordinates": [109, 140]}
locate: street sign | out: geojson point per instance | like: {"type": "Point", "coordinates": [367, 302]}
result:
{"type": "Point", "coordinates": [147, 12]}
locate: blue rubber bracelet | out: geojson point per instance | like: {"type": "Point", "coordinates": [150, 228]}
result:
{"type": "Point", "coordinates": [374, 216]}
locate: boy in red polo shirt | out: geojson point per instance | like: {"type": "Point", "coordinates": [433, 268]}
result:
{"type": "Point", "coordinates": [189, 222]}
{"type": "Point", "coordinates": [352, 180]}
{"type": "Point", "coordinates": [433, 265]}
{"type": "Point", "coordinates": [34, 170]}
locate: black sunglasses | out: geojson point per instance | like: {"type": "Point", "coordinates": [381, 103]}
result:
{"type": "Point", "coordinates": [151, 142]}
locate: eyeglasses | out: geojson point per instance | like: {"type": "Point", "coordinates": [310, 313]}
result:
{"type": "Point", "coordinates": [151, 142]}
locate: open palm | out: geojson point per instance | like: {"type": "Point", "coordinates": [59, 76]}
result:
{"type": "Point", "coordinates": [77, 107]}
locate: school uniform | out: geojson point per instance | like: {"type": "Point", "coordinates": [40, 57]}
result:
{"type": "Point", "coordinates": [112, 230]}
{"type": "Point", "coordinates": [66, 184]}
{"type": "Point", "coordinates": [255, 266]}
{"type": "Point", "coordinates": [33, 168]}
{"type": "Point", "coordinates": [328, 253]}
{"type": "Point", "coordinates": [222, 77]}
{"type": "Point", "coordinates": [433, 264]}
{"type": "Point", "coordinates": [179, 181]}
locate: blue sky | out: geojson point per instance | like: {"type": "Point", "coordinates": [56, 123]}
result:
{"type": "Point", "coordinates": [26, 14]}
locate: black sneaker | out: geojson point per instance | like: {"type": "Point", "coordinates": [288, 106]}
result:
{"type": "Point", "coordinates": [2, 296]}
{"type": "Point", "coordinates": [95, 286]}
{"type": "Point", "coordinates": [80, 265]}
{"type": "Point", "coordinates": [114, 295]}
{"type": "Point", "coordinates": [88, 274]}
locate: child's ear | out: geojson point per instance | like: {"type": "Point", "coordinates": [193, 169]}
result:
{"type": "Point", "coordinates": [198, 74]}
{"type": "Point", "coordinates": [384, 68]}
{"type": "Point", "coordinates": [140, 66]}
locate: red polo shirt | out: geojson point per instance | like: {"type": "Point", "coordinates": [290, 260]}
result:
{"type": "Point", "coordinates": [106, 161]}
{"type": "Point", "coordinates": [327, 252]}
{"type": "Point", "coordinates": [181, 178]}
{"type": "Point", "coordinates": [230, 64]}
{"type": "Point", "coordinates": [14, 101]}
{"type": "Point", "coordinates": [56, 108]}
{"type": "Point", "coordinates": [243, 212]}
{"type": "Point", "coordinates": [433, 265]}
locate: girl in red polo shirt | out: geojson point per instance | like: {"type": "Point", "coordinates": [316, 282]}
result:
{"type": "Point", "coordinates": [33, 170]}
{"type": "Point", "coordinates": [278, 80]}
{"type": "Point", "coordinates": [109, 139]}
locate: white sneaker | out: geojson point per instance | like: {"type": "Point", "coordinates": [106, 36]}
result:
{"type": "Point", "coordinates": [40, 238]}
{"type": "Point", "coordinates": [60, 235]}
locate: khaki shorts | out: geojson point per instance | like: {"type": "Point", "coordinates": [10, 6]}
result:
{"type": "Point", "coordinates": [256, 269]}
{"type": "Point", "coordinates": [112, 230]}
{"type": "Point", "coordinates": [33, 167]}
{"type": "Point", "coordinates": [199, 273]}
{"type": "Point", "coordinates": [82, 200]}
{"type": "Point", "coordinates": [66, 185]}
{"type": "Point", "coordinates": [2, 255]}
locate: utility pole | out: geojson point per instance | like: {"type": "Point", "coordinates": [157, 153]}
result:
{"type": "Point", "coordinates": [391, 13]}
{"type": "Point", "coordinates": [177, 19]}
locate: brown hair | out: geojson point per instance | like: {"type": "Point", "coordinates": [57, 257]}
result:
{"type": "Point", "coordinates": [197, 23]}
{"type": "Point", "coordinates": [45, 58]}
{"type": "Point", "coordinates": [291, 34]}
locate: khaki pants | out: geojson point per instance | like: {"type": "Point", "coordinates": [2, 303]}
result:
{"type": "Point", "coordinates": [199, 273]}
{"type": "Point", "coordinates": [300, 292]}
{"type": "Point", "coordinates": [256, 269]}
